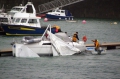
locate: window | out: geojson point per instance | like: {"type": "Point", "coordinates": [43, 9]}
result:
{"type": "Point", "coordinates": [32, 21]}
{"type": "Point", "coordinates": [13, 19]}
{"type": "Point", "coordinates": [3, 19]}
{"type": "Point", "coordinates": [62, 12]}
{"type": "Point", "coordinates": [46, 44]}
{"type": "Point", "coordinates": [23, 20]}
{"type": "Point", "coordinates": [57, 11]}
{"type": "Point", "coordinates": [17, 20]}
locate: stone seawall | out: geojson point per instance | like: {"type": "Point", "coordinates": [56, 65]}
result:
{"type": "Point", "coordinates": [85, 9]}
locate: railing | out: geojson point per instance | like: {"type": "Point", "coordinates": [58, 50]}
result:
{"type": "Point", "coordinates": [54, 4]}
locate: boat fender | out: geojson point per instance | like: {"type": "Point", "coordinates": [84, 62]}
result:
{"type": "Point", "coordinates": [84, 22]}
{"type": "Point", "coordinates": [45, 19]}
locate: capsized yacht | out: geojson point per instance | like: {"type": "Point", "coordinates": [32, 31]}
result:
{"type": "Point", "coordinates": [58, 44]}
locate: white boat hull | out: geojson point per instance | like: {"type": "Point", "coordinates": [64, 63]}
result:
{"type": "Point", "coordinates": [37, 48]}
{"type": "Point", "coordinates": [41, 48]}
{"type": "Point", "coordinates": [50, 46]}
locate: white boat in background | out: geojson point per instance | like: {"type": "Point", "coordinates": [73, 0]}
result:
{"type": "Point", "coordinates": [16, 9]}
{"type": "Point", "coordinates": [59, 14]}
{"type": "Point", "coordinates": [7, 17]}
{"type": "Point", "coordinates": [57, 44]}
{"type": "Point", "coordinates": [25, 22]}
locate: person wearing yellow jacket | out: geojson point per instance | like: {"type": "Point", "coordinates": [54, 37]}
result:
{"type": "Point", "coordinates": [96, 44]}
{"type": "Point", "coordinates": [74, 38]}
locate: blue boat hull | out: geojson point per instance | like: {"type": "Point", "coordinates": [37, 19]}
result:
{"type": "Point", "coordinates": [59, 17]}
{"type": "Point", "coordinates": [23, 30]}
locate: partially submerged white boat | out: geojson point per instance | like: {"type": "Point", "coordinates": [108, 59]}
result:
{"type": "Point", "coordinates": [57, 44]}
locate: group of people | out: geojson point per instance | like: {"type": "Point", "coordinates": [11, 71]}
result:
{"type": "Point", "coordinates": [75, 38]}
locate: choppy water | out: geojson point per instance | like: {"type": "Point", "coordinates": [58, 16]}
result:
{"type": "Point", "coordinates": [68, 67]}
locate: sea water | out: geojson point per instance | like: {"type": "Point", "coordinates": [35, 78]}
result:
{"type": "Point", "coordinates": [84, 66]}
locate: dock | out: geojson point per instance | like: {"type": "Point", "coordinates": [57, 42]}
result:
{"type": "Point", "coordinates": [107, 46]}
{"type": "Point", "coordinates": [6, 52]}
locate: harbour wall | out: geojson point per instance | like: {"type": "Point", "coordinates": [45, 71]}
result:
{"type": "Point", "coordinates": [85, 9]}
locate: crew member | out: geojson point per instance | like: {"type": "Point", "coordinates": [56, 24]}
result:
{"type": "Point", "coordinates": [57, 28]}
{"type": "Point", "coordinates": [77, 35]}
{"type": "Point", "coordinates": [96, 44]}
{"type": "Point", "coordinates": [74, 39]}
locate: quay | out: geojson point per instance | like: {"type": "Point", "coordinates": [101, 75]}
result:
{"type": "Point", "coordinates": [6, 52]}
{"type": "Point", "coordinates": [107, 46]}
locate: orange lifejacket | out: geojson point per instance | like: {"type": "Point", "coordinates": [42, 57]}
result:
{"type": "Point", "coordinates": [97, 44]}
{"type": "Point", "coordinates": [57, 28]}
{"type": "Point", "coordinates": [74, 39]}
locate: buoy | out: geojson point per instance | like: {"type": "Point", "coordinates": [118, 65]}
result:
{"type": "Point", "coordinates": [84, 22]}
{"type": "Point", "coordinates": [115, 23]}
{"type": "Point", "coordinates": [45, 19]}
{"type": "Point", "coordinates": [84, 38]}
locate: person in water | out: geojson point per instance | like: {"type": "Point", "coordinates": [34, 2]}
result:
{"type": "Point", "coordinates": [96, 44]}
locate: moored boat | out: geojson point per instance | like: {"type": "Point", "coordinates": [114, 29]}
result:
{"type": "Point", "coordinates": [59, 14]}
{"type": "Point", "coordinates": [7, 17]}
{"type": "Point", "coordinates": [25, 22]}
